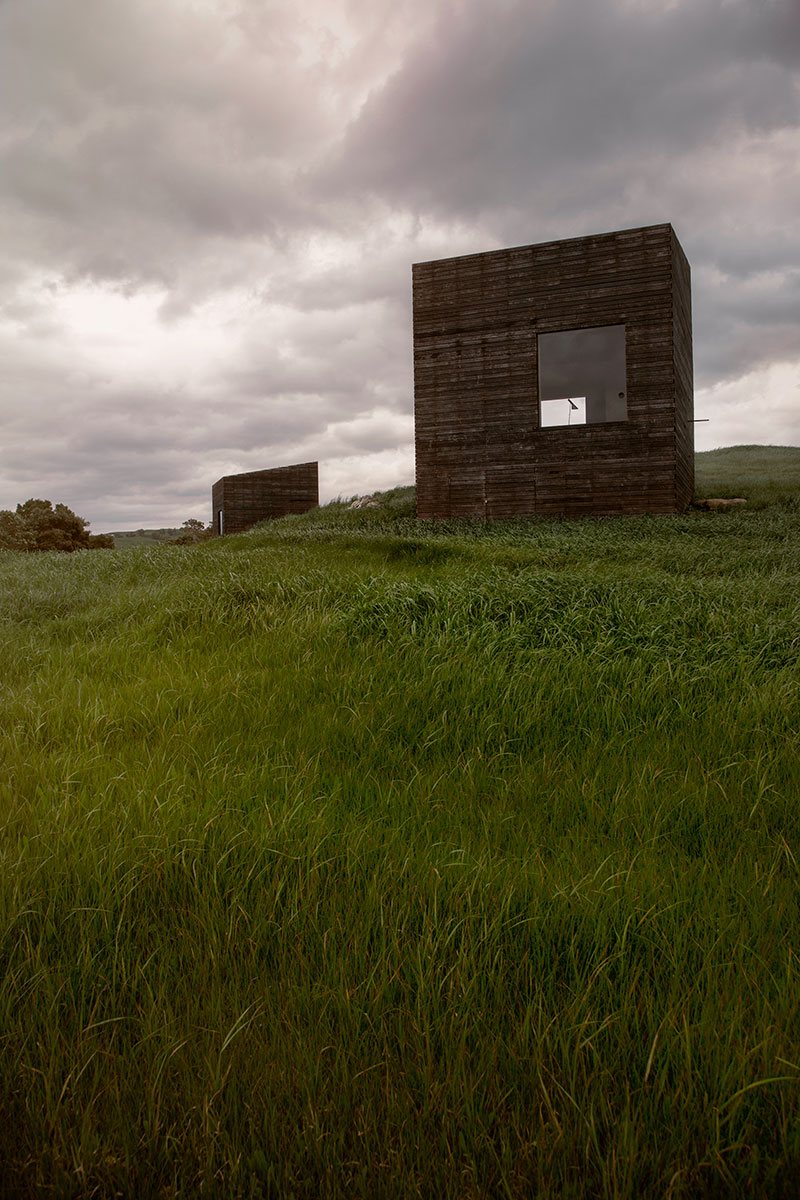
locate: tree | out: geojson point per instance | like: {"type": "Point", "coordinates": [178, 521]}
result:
{"type": "Point", "coordinates": [194, 531]}
{"type": "Point", "coordinates": [13, 534]}
{"type": "Point", "coordinates": [53, 528]}
{"type": "Point", "coordinates": [37, 525]}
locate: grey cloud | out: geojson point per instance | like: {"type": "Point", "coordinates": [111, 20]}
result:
{"type": "Point", "coordinates": [139, 138]}
{"type": "Point", "coordinates": [572, 118]}
{"type": "Point", "coordinates": [492, 110]}
{"type": "Point", "coordinates": [772, 29]}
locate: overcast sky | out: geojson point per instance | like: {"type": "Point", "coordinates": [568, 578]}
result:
{"type": "Point", "coordinates": [209, 210]}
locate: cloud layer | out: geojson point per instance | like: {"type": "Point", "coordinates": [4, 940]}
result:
{"type": "Point", "coordinates": [209, 210]}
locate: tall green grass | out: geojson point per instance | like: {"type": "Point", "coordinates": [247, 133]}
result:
{"type": "Point", "coordinates": [361, 857]}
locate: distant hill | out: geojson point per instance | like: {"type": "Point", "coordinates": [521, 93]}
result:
{"type": "Point", "coordinates": [129, 538]}
{"type": "Point", "coordinates": [761, 474]}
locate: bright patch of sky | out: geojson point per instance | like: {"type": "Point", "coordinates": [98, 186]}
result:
{"type": "Point", "coordinates": [754, 409]}
{"type": "Point", "coordinates": [125, 336]}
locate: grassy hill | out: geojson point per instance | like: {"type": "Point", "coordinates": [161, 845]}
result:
{"type": "Point", "coordinates": [761, 474]}
{"type": "Point", "coordinates": [357, 856]}
{"type": "Point", "coordinates": [129, 539]}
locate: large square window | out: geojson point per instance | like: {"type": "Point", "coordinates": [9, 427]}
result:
{"type": "Point", "coordinates": [582, 376]}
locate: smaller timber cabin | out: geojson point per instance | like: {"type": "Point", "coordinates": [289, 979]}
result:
{"type": "Point", "coordinates": [555, 379]}
{"type": "Point", "coordinates": [239, 502]}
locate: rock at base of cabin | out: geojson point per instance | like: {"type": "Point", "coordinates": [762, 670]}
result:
{"type": "Point", "coordinates": [364, 502]}
{"type": "Point", "coordinates": [720, 505]}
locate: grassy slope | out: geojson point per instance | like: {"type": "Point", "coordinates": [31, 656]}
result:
{"type": "Point", "coordinates": [359, 857]}
{"type": "Point", "coordinates": [762, 474]}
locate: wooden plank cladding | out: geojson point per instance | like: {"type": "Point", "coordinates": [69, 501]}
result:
{"type": "Point", "coordinates": [241, 501]}
{"type": "Point", "coordinates": [481, 447]}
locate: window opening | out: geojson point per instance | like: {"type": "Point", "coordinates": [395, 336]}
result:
{"type": "Point", "coordinates": [582, 377]}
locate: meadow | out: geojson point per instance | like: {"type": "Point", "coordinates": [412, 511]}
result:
{"type": "Point", "coordinates": [361, 857]}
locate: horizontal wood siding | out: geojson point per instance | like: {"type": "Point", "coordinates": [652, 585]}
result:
{"type": "Point", "coordinates": [259, 495]}
{"type": "Point", "coordinates": [479, 449]}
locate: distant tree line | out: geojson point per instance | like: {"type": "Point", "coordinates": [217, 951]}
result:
{"type": "Point", "coordinates": [152, 535]}
{"type": "Point", "coordinates": [190, 532]}
{"type": "Point", "coordinates": [37, 525]}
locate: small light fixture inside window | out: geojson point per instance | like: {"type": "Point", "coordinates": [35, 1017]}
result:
{"type": "Point", "coordinates": [567, 410]}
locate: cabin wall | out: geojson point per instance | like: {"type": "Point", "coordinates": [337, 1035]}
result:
{"type": "Point", "coordinates": [480, 451]}
{"type": "Point", "coordinates": [255, 496]}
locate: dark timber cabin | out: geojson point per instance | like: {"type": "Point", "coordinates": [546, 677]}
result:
{"type": "Point", "coordinates": [240, 501]}
{"type": "Point", "coordinates": [555, 379]}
